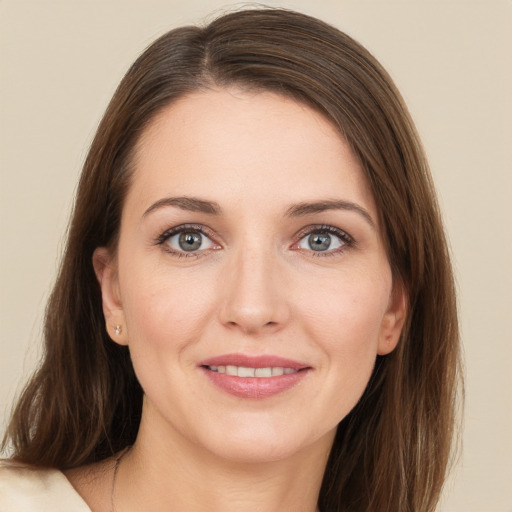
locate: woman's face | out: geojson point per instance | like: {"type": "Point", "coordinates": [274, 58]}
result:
{"type": "Point", "coordinates": [251, 280]}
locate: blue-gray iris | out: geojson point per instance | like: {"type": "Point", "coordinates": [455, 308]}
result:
{"type": "Point", "coordinates": [319, 242]}
{"type": "Point", "coordinates": [190, 241]}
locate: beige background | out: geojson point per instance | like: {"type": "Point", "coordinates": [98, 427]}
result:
{"type": "Point", "coordinates": [61, 60]}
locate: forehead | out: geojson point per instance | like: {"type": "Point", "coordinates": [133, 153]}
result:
{"type": "Point", "coordinates": [248, 147]}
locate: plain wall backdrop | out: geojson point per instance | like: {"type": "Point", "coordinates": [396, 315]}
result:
{"type": "Point", "coordinates": [61, 60]}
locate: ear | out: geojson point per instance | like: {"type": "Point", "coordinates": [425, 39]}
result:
{"type": "Point", "coordinates": [393, 320]}
{"type": "Point", "coordinates": [105, 268]}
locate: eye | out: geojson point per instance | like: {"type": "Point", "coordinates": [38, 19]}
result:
{"type": "Point", "coordinates": [325, 239]}
{"type": "Point", "coordinates": [186, 239]}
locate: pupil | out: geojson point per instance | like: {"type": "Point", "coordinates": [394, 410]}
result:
{"type": "Point", "coordinates": [190, 241]}
{"type": "Point", "coordinates": [319, 242]}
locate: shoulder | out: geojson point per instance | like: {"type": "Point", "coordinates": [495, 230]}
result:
{"type": "Point", "coordinates": [33, 489]}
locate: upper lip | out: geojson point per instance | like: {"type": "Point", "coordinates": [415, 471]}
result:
{"type": "Point", "coordinates": [263, 361]}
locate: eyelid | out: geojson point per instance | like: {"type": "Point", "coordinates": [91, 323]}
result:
{"type": "Point", "coordinates": [194, 228]}
{"type": "Point", "coordinates": [347, 240]}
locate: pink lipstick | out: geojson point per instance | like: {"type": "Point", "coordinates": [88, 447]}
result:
{"type": "Point", "coordinates": [253, 376]}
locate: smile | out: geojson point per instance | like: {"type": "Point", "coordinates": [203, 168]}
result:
{"type": "Point", "coordinates": [244, 371]}
{"type": "Point", "coordinates": [254, 377]}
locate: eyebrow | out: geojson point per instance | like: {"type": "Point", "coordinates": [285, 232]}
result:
{"type": "Point", "coordinates": [191, 204]}
{"type": "Point", "coordinates": [194, 204]}
{"type": "Point", "coordinates": [303, 209]}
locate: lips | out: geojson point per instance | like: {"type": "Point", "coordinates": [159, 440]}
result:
{"type": "Point", "coordinates": [253, 377]}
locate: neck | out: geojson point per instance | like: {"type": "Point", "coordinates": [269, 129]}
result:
{"type": "Point", "coordinates": [170, 474]}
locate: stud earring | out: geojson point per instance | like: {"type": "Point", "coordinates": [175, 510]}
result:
{"type": "Point", "coordinates": [117, 330]}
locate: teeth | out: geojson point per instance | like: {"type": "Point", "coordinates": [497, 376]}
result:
{"type": "Point", "coordinates": [243, 371]}
{"type": "Point", "coordinates": [263, 372]}
{"type": "Point", "coordinates": [246, 372]}
{"type": "Point", "coordinates": [231, 370]}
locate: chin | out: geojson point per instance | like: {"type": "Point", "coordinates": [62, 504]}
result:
{"type": "Point", "coordinates": [263, 444]}
{"type": "Point", "coordinates": [255, 452]}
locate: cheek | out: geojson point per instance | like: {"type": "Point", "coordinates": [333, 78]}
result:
{"type": "Point", "coordinates": [165, 316]}
{"type": "Point", "coordinates": [345, 323]}
{"type": "Point", "coordinates": [165, 311]}
{"type": "Point", "coordinates": [346, 306]}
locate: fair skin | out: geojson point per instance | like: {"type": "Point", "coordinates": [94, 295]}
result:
{"type": "Point", "coordinates": [285, 258]}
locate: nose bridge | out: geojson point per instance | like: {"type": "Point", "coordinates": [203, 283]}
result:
{"type": "Point", "coordinates": [252, 298]}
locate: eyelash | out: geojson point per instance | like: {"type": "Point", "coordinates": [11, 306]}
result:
{"type": "Point", "coordinates": [188, 228]}
{"type": "Point", "coordinates": [347, 240]}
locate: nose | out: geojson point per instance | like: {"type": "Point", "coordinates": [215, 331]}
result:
{"type": "Point", "coordinates": [254, 297]}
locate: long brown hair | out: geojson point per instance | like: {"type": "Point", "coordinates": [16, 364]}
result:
{"type": "Point", "coordinates": [84, 403]}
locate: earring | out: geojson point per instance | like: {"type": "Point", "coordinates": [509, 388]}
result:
{"type": "Point", "coordinates": [117, 330]}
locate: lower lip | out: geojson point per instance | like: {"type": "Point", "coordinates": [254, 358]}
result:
{"type": "Point", "coordinates": [254, 387]}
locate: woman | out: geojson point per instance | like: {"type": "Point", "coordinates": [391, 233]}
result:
{"type": "Point", "coordinates": [256, 309]}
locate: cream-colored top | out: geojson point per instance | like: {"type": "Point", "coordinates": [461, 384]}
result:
{"type": "Point", "coordinates": [28, 489]}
